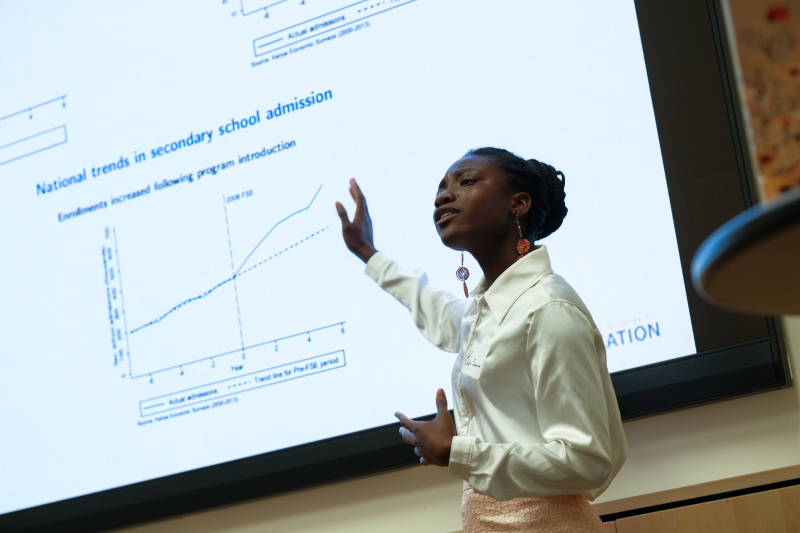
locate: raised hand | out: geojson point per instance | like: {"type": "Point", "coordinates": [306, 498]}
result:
{"type": "Point", "coordinates": [431, 440]}
{"type": "Point", "coordinates": [358, 233]}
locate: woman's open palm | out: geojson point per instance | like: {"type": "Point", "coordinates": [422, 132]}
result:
{"type": "Point", "coordinates": [358, 233]}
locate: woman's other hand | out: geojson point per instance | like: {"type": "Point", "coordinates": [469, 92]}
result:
{"type": "Point", "coordinates": [358, 233]}
{"type": "Point", "coordinates": [431, 440]}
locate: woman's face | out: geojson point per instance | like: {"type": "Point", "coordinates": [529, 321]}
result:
{"type": "Point", "coordinates": [473, 205]}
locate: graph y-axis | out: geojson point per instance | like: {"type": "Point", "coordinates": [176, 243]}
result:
{"type": "Point", "coordinates": [122, 299]}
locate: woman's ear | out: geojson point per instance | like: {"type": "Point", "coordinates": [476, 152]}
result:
{"type": "Point", "coordinates": [520, 203]}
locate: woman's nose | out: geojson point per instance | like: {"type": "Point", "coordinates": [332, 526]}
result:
{"type": "Point", "coordinates": [444, 197]}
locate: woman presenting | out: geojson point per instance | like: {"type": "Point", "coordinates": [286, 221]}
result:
{"type": "Point", "coordinates": [537, 428]}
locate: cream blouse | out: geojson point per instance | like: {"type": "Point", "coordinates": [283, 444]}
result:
{"type": "Point", "coordinates": [534, 405]}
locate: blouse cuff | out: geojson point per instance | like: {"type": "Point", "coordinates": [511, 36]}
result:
{"type": "Point", "coordinates": [376, 264]}
{"type": "Point", "coordinates": [461, 456]}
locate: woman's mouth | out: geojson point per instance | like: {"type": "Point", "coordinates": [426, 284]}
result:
{"type": "Point", "coordinates": [446, 216]}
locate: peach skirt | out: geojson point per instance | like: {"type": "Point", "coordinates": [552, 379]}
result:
{"type": "Point", "coordinates": [546, 514]}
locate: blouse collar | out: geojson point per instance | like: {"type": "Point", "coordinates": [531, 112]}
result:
{"type": "Point", "coordinates": [514, 281]}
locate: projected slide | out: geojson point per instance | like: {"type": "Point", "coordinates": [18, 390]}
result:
{"type": "Point", "coordinates": [178, 291]}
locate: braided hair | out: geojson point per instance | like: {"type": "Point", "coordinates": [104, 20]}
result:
{"type": "Point", "coordinates": [541, 181]}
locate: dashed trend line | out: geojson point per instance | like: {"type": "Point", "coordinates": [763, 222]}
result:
{"type": "Point", "coordinates": [218, 285]}
{"type": "Point", "coordinates": [162, 317]}
{"type": "Point", "coordinates": [239, 271]}
{"type": "Point", "coordinates": [242, 273]}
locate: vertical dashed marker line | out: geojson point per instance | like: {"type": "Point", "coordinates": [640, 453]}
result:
{"type": "Point", "coordinates": [122, 299]}
{"type": "Point", "coordinates": [233, 270]}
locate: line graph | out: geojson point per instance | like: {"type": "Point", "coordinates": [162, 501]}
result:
{"type": "Point", "coordinates": [238, 270]}
{"type": "Point", "coordinates": [172, 342]}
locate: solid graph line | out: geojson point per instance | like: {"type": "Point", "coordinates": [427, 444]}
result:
{"type": "Point", "coordinates": [165, 315]}
{"type": "Point", "coordinates": [235, 274]}
{"type": "Point", "coordinates": [306, 208]}
{"type": "Point", "coordinates": [237, 350]}
{"type": "Point", "coordinates": [122, 299]}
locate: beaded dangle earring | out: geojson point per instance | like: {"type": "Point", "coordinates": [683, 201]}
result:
{"type": "Point", "coordinates": [523, 246]}
{"type": "Point", "coordinates": [463, 275]}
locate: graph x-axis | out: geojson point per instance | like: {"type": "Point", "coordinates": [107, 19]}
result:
{"type": "Point", "coordinates": [238, 350]}
{"type": "Point", "coordinates": [262, 8]}
{"type": "Point", "coordinates": [31, 108]}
